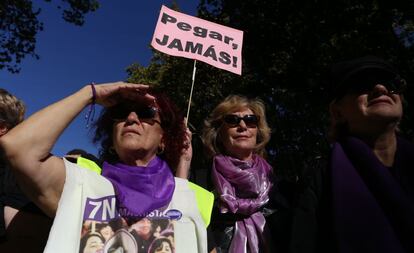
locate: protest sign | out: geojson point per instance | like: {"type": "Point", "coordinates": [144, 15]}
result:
{"type": "Point", "coordinates": [186, 36]}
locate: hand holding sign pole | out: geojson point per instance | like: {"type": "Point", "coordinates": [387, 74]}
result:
{"type": "Point", "coordinates": [186, 36]}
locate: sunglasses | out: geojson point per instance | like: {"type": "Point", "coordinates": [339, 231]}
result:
{"type": "Point", "coordinates": [250, 120]}
{"type": "Point", "coordinates": [394, 86]}
{"type": "Point", "coordinates": [145, 113]}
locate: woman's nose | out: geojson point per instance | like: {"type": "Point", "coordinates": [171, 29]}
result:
{"type": "Point", "coordinates": [133, 118]}
{"type": "Point", "coordinates": [380, 89]}
{"type": "Point", "coordinates": [242, 124]}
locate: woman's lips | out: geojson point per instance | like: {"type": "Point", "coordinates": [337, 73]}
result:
{"type": "Point", "coordinates": [241, 137]}
{"type": "Point", "coordinates": [379, 101]}
{"type": "Point", "coordinates": [128, 131]}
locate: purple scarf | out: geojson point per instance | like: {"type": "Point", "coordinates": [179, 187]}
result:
{"type": "Point", "coordinates": [372, 213]}
{"type": "Point", "coordinates": [243, 188]}
{"type": "Point", "coordinates": [140, 190]}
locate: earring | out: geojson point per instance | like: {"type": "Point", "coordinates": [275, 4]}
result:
{"type": "Point", "coordinates": [160, 150]}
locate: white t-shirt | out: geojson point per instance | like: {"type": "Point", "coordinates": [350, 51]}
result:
{"type": "Point", "coordinates": [87, 217]}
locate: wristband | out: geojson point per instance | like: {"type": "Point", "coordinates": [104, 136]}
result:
{"type": "Point", "coordinates": [91, 112]}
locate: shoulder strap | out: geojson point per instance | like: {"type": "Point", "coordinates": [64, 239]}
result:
{"type": "Point", "coordinates": [205, 200]}
{"type": "Point", "coordinates": [88, 164]}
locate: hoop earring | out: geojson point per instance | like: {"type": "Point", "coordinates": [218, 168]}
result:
{"type": "Point", "coordinates": [160, 150]}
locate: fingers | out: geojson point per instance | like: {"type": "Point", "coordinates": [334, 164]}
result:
{"type": "Point", "coordinates": [124, 88]}
{"type": "Point", "coordinates": [109, 94]}
{"type": "Point", "coordinates": [137, 95]}
{"type": "Point", "coordinates": [187, 142]}
{"type": "Point", "coordinates": [188, 136]}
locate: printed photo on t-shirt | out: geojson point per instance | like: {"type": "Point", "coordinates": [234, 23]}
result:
{"type": "Point", "coordinates": [104, 230]}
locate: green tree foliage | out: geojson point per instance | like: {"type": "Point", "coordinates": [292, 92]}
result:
{"type": "Point", "coordinates": [288, 48]}
{"type": "Point", "coordinates": [19, 25]}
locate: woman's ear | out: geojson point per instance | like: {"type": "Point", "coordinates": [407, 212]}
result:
{"type": "Point", "coordinates": [335, 112]}
{"type": "Point", "coordinates": [161, 147]}
{"type": "Point", "coordinates": [3, 129]}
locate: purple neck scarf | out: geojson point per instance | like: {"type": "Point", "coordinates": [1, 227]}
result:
{"type": "Point", "coordinates": [243, 188]}
{"type": "Point", "coordinates": [139, 189]}
{"type": "Point", "coordinates": [372, 213]}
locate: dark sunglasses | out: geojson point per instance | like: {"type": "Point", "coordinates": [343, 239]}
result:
{"type": "Point", "coordinates": [250, 120]}
{"type": "Point", "coordinates": [144, 113]}
{"type": "Point", "coordinates": [394, 86]}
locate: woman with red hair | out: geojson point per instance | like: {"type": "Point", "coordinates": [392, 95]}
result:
{"type": "Point", "coordinates": [141, 134]}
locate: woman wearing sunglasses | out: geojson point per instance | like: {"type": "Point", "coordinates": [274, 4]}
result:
{"type": "Point", "coordinates": [141, 134]}
{"type": "Point", "coordinates": [235, 135]}
{"type": "Point", "coordinates": [362, 198]}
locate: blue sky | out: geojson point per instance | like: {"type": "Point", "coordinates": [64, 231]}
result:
{"type": "Point", "coordinates": [115, 36]}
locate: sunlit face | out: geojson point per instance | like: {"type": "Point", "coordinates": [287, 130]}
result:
{"type": "Point", "coordinates": [366, 110]}
{"type": "Point", "coordinates": [135, 136]}
{"type": "Point", "coordinates": [94, 244]}
{"type": "Point", "coordinates": [239, 140]}
{"type": "Point", "coordinates": [164, 248]}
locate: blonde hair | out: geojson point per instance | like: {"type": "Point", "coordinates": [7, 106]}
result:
{"type": "Point", "coordinates": [232, 103]}
{"type": "Point", "coordinates": [12, 109]}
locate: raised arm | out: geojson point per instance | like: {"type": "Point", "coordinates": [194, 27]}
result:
{"type": "Point", "coordinates": [28, 145]}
